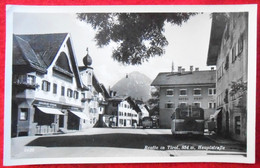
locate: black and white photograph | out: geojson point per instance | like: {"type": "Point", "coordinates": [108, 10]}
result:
{"type": "Point", "coordinates": [130, 84]}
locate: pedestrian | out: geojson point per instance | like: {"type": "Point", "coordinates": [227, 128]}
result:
{"type": "Point", "coordinates": [211, 126]}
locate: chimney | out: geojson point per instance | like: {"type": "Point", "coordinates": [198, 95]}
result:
{"type": "Point", "coordinates": [197, 69]}
{"type": "Point", "coordinates": [212, 68]}
{"type": "Point", "coordinates": [191, 68]}
{"type": "Point", "coordinates": [172, 67]}
{"type": "Point", "coordinates": [179, 68]}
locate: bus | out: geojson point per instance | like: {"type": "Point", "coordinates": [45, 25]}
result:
{"type": "Point", "coordinates": [187, 120]}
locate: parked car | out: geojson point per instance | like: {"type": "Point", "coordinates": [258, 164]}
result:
{"type": "Point", "coordinates": [147, 122]}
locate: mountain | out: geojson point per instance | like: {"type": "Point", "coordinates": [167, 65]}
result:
{"type": "Point", "coordinates": [135, 84]}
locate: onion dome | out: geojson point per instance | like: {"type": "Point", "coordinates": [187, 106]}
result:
{"type": "Point", "coordinates": [87, 60]}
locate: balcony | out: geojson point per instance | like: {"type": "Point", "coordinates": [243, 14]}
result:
{"type": "Point", "coordinates": [87, 96]}
{"type": "Point", "coordinates": [25, 82]}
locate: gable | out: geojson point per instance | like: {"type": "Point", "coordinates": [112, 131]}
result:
{"type": "Point", "coordinates": [37, 52]}
{"type": "Point", "coordinates": [63, 62]}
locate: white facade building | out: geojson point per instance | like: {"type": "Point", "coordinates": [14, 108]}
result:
{"type": "Point", "coordinates": [46, 85]}
{"type": "Point", "coordinates": [127, 116]}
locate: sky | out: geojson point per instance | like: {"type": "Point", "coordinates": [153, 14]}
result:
{"type": "Point", "coordinates": [188, 44]}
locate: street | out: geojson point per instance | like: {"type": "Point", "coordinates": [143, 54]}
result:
{"type": "Point", "coordinates": [117, 142]}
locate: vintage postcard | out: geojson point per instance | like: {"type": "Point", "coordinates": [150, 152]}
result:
{"type": "Point", "coordinates": [130, 84]}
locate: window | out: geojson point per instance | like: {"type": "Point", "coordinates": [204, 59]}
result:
{"type": "Point", "coordinates": [196, 104]}
{"type": "Point", "coordinates": [93, 110]}
{"type": "Point", "coordinates": [183, 92]}
{"type": "Point", "coordinates": [212, 91]}
{"type": "Point", "coordinates": [62, 91]}
{"type": "Point", "coordinates": [169, 92]}
{"type": "Point", "coordinates": [182, 104]}
{"type": "Point", "coordinates": [83, 95]}
{"type": "Point", "coordinates": [227, 62]}
{"type": "Point", "coordinates": [45, 85]}
{"type": "Point", "coordinates": [197, 92]}
{"type": "Point", "coordinates": [24, 114]}
{"type": "Point", "coordinates": [212, 105]}
{"type": "Point", "coordinates": [31, 79]}
{"type": "Point", "coordinates": [54, 88]}
{"type": "Point", "coordinates": [169, 105]}
{"type": "Point", "coordinates": [195, 113]}
{"type": "Point", "coordinates": [240, 45]}
{"type": "Point", "coordinates": [234, 53]}
{"type": "Point", "coordinates": [69, 92]}
{"type": "Point", "coordinates": [237, 125]}
{"type": "Point", "coordinates": [76, 94]}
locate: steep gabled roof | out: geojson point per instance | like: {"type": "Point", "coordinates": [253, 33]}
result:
{"type": "Point", "coordinates": [133, 104]}
{"type": "Point", "coordinates": [99, 87]}
{"type": "Point", "coordinates": [105, 92]}
{"type": "Point", "coordinates": [96, 84]}
{"type": "Point", "coordinates": [217, 29]}
{"type": "Point", "coordinates": [37, 50]}
{"type": "Point", "coordinates": [186, 78]}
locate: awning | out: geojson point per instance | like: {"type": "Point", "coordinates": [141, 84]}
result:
{"type": "Point", "coordinates": [50, 110]}
{"type": "Point", "coordinates": [80, 115]}
{"type": "Point", "coordinates": [216, 113]}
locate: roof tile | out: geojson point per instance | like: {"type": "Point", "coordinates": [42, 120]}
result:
{"type": "Point", "coordinates": [195, 77]}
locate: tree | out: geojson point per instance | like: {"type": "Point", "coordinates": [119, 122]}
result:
{"type": "Point", "coordinates": [153, 102]}
{"type": "Point", "coordinates": [139, 36]}
{"type": "Point", "coordinates": [238, 88]}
